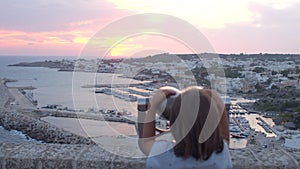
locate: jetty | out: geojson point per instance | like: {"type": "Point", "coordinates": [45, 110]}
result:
{"type": "Point", "coordinates": [238, 123]}
{"type": "Point", "coordinates": [266, 126]}
{"type": "Point", "coordinates": [14, 97]}
{"type": "Point", "coordinates": [110, 85]}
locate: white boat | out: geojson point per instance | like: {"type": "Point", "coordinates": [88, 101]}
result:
{"type": "Point", "coordinates": [234, 129]}
{"type": "Point", "coordinates": [132, 98]}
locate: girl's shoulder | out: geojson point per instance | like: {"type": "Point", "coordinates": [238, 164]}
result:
{"type": "Point", "coordinates": [160, 147]}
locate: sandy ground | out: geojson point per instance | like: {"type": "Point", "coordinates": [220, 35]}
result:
{"type": "Point", "coordinates": [117, 138]}
{"type": "Point", "coordinates": [92, 128]}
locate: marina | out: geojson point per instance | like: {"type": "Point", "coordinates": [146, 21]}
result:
{"type": "Point", "coordinates": [248, 128]}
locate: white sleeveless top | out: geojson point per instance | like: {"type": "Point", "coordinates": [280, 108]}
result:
{"type": "Point", "coordinates": [162, 156]}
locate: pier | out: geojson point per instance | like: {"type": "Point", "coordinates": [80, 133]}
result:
{"type": "Point", "coordinates": [13, 97]}
{"type": "Point", "coordinates": [238, 123]}
{"type": "Point", "coordinates": [111, 85]}
{"type": "Point", "coordinates": [24, 88]}
{"type": "Point", "coordinates": [267, 126]}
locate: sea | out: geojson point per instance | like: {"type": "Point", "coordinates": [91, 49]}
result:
{"type": "Point", "coordinates": [62, 87]}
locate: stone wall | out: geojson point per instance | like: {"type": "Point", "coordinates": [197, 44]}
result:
{"type": "Point", "coordinates": [62, 156]}
{"type": "Point", "coordinates": [33, 155]}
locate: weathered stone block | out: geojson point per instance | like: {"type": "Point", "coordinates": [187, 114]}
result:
{"type": "Point", "coordinates": [56, 163]}
{"type": "Point", "coordinates": [20, 163]}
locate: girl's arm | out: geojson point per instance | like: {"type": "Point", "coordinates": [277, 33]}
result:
{"type": "Point", "coordinates": [148, 135]}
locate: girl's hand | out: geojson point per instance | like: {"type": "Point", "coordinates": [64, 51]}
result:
{"type": "Point", "coordinates": [160, 95]}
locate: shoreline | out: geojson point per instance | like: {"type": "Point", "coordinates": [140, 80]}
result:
{"type": "Point", "coordinates": [14, 136]}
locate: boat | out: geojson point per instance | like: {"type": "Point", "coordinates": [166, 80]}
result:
{"type": "Point", "coordinates": [107, 91]}
{"type": "Point", "coordinates": [234, 129]}
{"type": "Point", "coordinates": [245, 134]}
{"type": "Point", "coordinates": [100, 90]}
{"type": "Point", "coordinates": [237, 135]}
{"type": "Point", "coordinates": [132, 98]}
{"type": "Point", "coordinates": [51, 106]}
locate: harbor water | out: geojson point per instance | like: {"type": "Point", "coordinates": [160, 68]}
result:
{"type": "Point", "coordinates": [58, 87]}
{"type": "Point", "coordinates": [14, 136]}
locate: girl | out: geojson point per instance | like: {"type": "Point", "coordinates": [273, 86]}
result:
{"type": "Point", "coordinates": [196, 128]}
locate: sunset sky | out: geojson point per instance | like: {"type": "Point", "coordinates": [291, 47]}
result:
{"type": "Point", "coordinates": [62, 27]}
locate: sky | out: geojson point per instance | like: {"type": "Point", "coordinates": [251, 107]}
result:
{"type": "Point", "coordinates": [63, 27]}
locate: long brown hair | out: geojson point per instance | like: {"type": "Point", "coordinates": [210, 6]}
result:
{"type": "Point", "coordinates": [224, 120]}
{"type": "Point", "coordinates": [187, 124]}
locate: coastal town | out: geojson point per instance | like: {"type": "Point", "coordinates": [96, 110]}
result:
{"type": "Point", "coordinates": [262, 92]}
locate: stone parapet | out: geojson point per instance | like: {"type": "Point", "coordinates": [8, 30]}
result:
{"type": "Point", "coordinates": [36, 155]}
{"type": "Point", "coordinates": [65, 156]}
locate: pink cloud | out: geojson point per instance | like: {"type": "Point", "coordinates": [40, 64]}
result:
{"type": "Point", "coordinates": [273, 31]}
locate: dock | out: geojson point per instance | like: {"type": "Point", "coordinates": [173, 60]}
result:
{"type": "Point", "coordinates": [238, 123]}
{"type": "Point", "coordinates": [23, 88]}
{"type": "Point", "coordinates": [268, 126]}
{"type": "Point", "coordinates": [110, 85]}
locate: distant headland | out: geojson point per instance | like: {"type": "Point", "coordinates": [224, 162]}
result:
{"type": "Point", "coordinates": [107, 65]}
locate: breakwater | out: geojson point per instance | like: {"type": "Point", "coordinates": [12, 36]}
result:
{"type": "Point", "coordinates": [80, 115]}
{"type": "Point", "coordinates": [39, 130]}
{"type": "Point", "coordinates": [5, 95]}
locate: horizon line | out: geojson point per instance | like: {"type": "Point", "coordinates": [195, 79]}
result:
{"type": "Point", "coordinates": [120, 57]}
